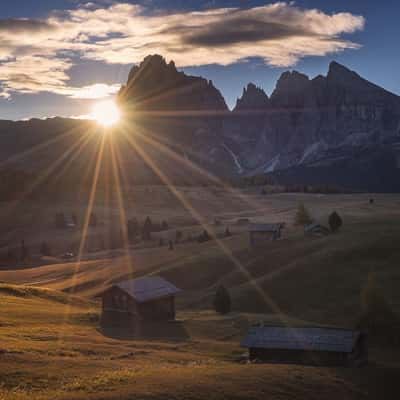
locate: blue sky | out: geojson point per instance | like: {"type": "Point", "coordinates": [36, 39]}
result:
{"type": "Point", "coordinates": [60, 56]}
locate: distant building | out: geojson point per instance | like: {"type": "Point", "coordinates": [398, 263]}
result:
{"type": "Point", "coordinates": [309, 345]}
{"type": "Point", "coordinates": [316, 229]}
{"type": "Point", "coordinates": [150, 298]}
{"type": "Point", "coordinates": [261, 233]}
{"type": "Point", "coordinates": [242, 221]}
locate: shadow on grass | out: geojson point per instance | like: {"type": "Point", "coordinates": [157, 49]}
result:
{"type": "Point", "coordinates": [173, 331]}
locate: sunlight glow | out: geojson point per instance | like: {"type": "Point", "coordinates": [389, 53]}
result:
{"type": "Point", "coordinates": [106, 113]}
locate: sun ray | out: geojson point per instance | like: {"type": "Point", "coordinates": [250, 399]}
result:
{"type": "Point", "coordinates": [121, 205]}
{"type": "Point", "coordinates": [269, 302]}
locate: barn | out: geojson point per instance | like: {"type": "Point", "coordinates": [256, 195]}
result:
{"type": "Point", "coordinates": [306, 345]}
{"type": "Point", "coordinates": [128, 303]}
{"type": "Point", "coordinates": [262, 233]}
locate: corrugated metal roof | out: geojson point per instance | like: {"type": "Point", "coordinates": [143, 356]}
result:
{"type": "Point", "coordinates": [315, 339]}
{"type": "Point", "coordinates": [148, 288]}
{"type": "Point", "coordinates": [265, 227]}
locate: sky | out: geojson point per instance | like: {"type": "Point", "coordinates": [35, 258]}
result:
{"type": "Point", "coordinates": [59, 57]}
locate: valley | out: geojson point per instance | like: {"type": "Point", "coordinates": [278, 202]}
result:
{"type": "Point", "coordinates": [52, 346]}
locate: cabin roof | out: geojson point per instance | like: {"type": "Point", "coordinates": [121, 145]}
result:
{"type": "Point", "coordinates": [148, 288]}
{"type": "Point", "coordinates": [308, 338]}
{"type": "Point", "coordinates": [265, 227]}
{"type": "Point", "coordinates": [315, 227]}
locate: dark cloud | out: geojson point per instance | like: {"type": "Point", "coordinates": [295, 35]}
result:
{"type": "Point", "coordinates": [25, 26]}
{"type": "Point", "coordinates": [239, 30]}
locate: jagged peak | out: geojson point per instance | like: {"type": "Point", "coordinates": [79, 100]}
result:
{"type": "Point", "coordinates": [337, 70]}
{"type": "Point", "coordinates": [252, 97]}
{"type": "Point", "coordinates": [292, 81]}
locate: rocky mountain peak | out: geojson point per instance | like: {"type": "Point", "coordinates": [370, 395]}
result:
{"type": "Point", "coordinates": [156, 84]}
{"type": "Point", "coordinates": [253, 97]}
{"type": "Point", "coordinates": [340, 74]}
{"type": "Point", "coordinates": [292, 81]}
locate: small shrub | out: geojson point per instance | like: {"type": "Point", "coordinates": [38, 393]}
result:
{"type": "Point", "coordinates": [204, 237]}
{"type": "Point", "coordinates": [222, 300]}
{"type": "Point", "coordinates": [302, 215]}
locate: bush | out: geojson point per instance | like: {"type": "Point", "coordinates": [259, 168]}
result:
{"type": "Point", "coordinates": [222, 300]}
{"type": "Point", "coordinates": [335, 222]}
{"type": "Point", "coordinates": [302, 215]}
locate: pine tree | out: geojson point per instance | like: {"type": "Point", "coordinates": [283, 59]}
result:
{"type": "Point", "coordinates": [132, 229]}
{"type": "Point", "coordinates": [45, 249]}
{"type": "Point", "coordinates": [335, 221]}
{"type": "Point", "coordinates": [74, 219]}
{"type": "Point", "coordinates": [302, 215]}
{"type": "Point", "coordinates": [147, 229]}
{"type": "Point", "coordinates": [178, 236]}
{"type": "Point", "coordinates": [164, 226]}
{"type": "Point", "coordinates": [93, 220]}
{"type": "Point", "coordinates": [222, 300]}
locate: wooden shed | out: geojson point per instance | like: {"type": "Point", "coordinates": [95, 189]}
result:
{"type": "Point", "coordinates": [150, 298]}
{"type": "Point", "coordinates": [262, 233]}
{"type": "Point", "coordinates": [307, 345]}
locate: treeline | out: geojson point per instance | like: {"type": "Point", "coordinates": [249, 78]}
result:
{"type": "Point", "coordinates": [271, 184]}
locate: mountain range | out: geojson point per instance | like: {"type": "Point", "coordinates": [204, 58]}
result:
{"type": "Point", "coordinates": [336, 129]}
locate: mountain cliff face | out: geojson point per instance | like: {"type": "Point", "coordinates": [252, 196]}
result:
{"type": "Point", "coordinates": [306, 122]}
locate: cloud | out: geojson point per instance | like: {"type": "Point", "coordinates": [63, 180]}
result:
{"type": "Point", "coordinates": [35, 55]}
{"type": "Point", "coordinates": [24, 25]}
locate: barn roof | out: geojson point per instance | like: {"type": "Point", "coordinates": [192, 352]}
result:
{"type": "Point", "coordinates": [309, 338]}
{"type": "Point", "coordinates": [265, 227]}
{"type": "Point", "coordinates": [148, 288]}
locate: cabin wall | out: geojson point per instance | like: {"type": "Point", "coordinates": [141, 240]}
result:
{"type": "Point", "coordinates": [119, 309]}
{"type": "Point", "coordinates": [327, 358]}
{"type": "Point", "coordinates": [260, 238]}
{"type": "Point", "coordinates": [160, 309]}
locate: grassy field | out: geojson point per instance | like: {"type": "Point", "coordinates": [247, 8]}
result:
{"type": "Point", "coordinates": [51, 346]}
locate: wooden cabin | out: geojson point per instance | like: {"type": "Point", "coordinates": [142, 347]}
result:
{"type": "Point", "coordinates": [262, 233]}
{"type": "Point", "coordinates": [308, 345]}
{"type": "Point", "coordinates": [128, 303]}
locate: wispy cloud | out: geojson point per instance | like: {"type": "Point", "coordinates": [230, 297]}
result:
{"type": "Point", "coordinates": [35, 55]}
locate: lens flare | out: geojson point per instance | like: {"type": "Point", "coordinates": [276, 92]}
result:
{"type": "Point", "coordinates": [106, 113]}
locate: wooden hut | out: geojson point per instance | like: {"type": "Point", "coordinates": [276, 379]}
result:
{"type": "Point", "coordinates": [307, 345]}
{"type": "Point", "coordinates": [150, 298]}
{"type": "Point", "coordinates": [262, 233]}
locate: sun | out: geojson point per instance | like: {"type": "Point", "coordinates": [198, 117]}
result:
{"type": "Point", "coordinates": [106, 113]}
